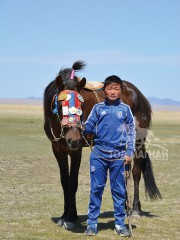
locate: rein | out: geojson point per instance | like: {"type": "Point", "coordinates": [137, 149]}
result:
{"type": "Point", "coordinates": [55, 139]}
{"type": "Point", "coordinates": [96, 95]}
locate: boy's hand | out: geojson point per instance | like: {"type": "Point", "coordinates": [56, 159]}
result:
{"type": "Point", "coordinates": [128, 159]}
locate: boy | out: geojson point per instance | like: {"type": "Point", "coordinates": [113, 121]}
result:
{"type": "Point", "coordinates": [112, 124]}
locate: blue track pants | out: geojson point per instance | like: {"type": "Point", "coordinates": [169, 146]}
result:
{"type": "Point", "coordinates": [98, 174]}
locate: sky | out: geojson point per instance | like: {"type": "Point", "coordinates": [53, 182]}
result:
{"type": "Point", "coordinates": [137, 40]}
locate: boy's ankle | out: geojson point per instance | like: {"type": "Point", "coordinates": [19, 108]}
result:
{"type": "Point", "coordinates": [91, 230]}
{"type": "Point", "coordinates": [122, 231]}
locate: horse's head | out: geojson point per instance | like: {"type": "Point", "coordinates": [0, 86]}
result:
{"type": "Point", "coordinates": [68, 105]}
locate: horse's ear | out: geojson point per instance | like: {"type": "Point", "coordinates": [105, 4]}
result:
{"type": "Point", "coordinates": [81, 84]}
{"type": "Point", "coordinates": [59, 83]}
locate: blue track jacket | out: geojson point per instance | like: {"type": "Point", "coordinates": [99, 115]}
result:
{"type": "Point", "coordinates": [113, 126]}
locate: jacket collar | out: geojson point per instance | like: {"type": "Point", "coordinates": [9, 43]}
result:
{"type": "Point", "coordinates": [115, 103]}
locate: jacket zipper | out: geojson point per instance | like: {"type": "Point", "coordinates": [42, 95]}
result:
{"type": "Point", "coordinates": [111, 107]}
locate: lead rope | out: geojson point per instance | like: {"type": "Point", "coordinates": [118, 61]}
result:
{"type": "Point", "coordinates": [127, 169]}
{"type": "Point", "coordinates": [121, 159]}
{"type": "Point", "coordinates": [97, 153]}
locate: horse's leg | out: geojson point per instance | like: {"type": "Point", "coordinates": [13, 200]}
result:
{"type": "Point", "coordinates": [137, 169]}
{"type": "Point", "coordinates": [73, 186]}
{"type": "Point", "coordinates": [136, 211]}
{"type": "Point", "coordinates": [62, 160]}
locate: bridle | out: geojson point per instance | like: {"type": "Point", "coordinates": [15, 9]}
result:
{"type": "Point", "coordinates": [70, 103]}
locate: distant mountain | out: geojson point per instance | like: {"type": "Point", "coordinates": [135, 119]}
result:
{"type": "Point", "coordinates": [164, 101]}
{"type": "Point", "coordinates": [35, 98]}
{"type": "Point", "coordinates": [152, 100]}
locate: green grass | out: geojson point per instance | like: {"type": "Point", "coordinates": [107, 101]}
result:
{"type": "Point", "coordinates": [31, 195]}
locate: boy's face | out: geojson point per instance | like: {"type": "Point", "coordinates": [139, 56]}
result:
{"type": "Point", "coordinates": [112, 91]}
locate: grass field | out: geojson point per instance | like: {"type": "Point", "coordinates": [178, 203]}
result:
{"type": "Point", "coordinates": [31, 195]}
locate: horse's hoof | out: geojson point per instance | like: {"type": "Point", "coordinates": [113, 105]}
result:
{"type": "Point", "coordinates": [60, 222]}
{"type": "Point", "coordinates": [136, 214]}
{"type": "Point", "coordinates": [68, 225]}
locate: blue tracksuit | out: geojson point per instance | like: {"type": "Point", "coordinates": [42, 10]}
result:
{"type": "Point", "coordinates": [114, 137]}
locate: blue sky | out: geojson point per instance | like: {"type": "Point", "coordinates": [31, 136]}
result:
{"type": "Point", "coordinates": [137, 40]}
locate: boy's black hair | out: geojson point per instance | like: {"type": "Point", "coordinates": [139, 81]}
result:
{"type": "Point", "coordinates": [112, 79]}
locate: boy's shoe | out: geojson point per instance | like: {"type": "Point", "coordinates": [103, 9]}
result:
{"type": "Point", "coordinates": [91, 230]}
{"type": "Point", "coordinates": [122, 231]}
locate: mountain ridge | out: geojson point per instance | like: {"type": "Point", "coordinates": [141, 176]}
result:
{"type": "Point", "coordinates": [154, 101]}
{"type": "Point", "coordinates": [163, 101]}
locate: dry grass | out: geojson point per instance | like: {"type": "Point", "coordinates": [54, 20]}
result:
{"type": "Point", "coordinates": [31, 196]}
{"type": "Point", "coordinates": [169, 117]}
{"type": "Point", "coordinates": [22, 110]}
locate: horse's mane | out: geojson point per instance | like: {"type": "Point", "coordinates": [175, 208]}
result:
{"type": "Point", "coordinates": [141, 105]}
{"type": "Point", "coordinates": [49, 93]}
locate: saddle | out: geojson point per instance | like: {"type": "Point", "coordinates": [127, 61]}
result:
{"type": "Point", "coordinates": [93, 85]}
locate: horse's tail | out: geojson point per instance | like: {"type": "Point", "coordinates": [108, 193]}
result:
{"type": "Point", "coordinates": [78, 65]}
{"type": "Point", "coordinates": [149, 179]}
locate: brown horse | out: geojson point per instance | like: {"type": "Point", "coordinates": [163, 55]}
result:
{"type": "Point", "coordinates": [67, 105]}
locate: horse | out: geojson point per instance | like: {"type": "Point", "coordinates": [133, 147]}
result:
{"type": "Point", "coordinates": [67, 104]}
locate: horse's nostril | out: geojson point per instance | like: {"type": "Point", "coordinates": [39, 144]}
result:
{"type": "Point", "coordinates": [74, 142]}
